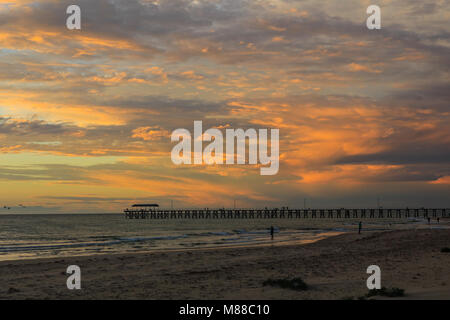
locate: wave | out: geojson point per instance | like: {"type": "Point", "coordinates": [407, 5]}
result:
{"type": "Point", "coordinates": [22, 248]}
{"type": "Point", "coordinates": [115, 243]}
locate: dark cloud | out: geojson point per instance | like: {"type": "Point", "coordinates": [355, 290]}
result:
{"type": "Point", "coordinates": [434, 96]}
{"type": "Point", "coordinates": [16, 127]}
{"type": "Point", "coordinates": [416, 154]}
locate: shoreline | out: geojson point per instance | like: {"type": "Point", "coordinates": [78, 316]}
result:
{"type": "Point", "coordinates": [134, 238]}
{"type": "Point", "coordinates": [334, 267]}
{"type": "Point", "coordinates": [275, 243]}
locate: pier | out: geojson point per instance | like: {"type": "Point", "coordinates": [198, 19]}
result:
{"type": "Point", "coordinates": [154, 212]}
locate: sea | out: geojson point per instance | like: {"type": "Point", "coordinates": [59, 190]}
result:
{"type": "Point", "coordinates": [31, 236]}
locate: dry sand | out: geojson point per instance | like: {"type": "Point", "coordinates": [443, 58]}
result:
{"type": "Point", "coordinates": [334, 268]}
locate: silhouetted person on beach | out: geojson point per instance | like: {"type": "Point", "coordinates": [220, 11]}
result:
{"type": "Point", "coordinates": [438, 220]}
{"type": "Point", "coordinates": [271, 232]}
{"type": "Point", "coordinates": [429, 220]}
{"type": "Point", "coordinates": [359, 227]}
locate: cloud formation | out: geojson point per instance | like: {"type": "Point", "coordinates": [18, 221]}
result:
{"type": "Point", "coordinates": [86, 116]}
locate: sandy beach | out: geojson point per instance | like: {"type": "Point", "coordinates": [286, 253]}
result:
{"type": "Point", "coordinates": [334, 268]}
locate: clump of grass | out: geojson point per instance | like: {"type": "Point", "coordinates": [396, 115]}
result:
{"type": "Point", "coordinates": [13, 290]}
{"type": "Point", "coordinates": [294, 284]}
{"type": "Point", "coordinates": [446, 249]}
{"type": "Point", "coordinates": [385, 292]}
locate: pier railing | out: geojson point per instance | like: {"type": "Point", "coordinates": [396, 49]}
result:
{"type": "Point", "coordinates": [284, 213]}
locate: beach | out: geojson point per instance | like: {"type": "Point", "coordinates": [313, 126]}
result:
{"type": "Point", "coordinates": [333, 268]}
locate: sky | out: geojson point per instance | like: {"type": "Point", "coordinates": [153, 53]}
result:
{"type": "Point", "coordinates": [86, 115]}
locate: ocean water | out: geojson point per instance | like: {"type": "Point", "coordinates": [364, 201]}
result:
{"type": "Point", "coordinates": [56, 235]}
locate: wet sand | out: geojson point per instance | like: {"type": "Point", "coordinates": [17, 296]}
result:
{"type": "Point", "coordinates": [334, 268]}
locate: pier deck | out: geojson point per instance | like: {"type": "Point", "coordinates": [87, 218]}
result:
{"type": "Point", "coordinates": [149, 213]}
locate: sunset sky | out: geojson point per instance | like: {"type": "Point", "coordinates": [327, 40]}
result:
{"type": "Point", "coordinates": [86, 115]}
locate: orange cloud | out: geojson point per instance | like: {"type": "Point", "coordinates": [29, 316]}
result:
{"type": "Point", "coordinates": [150, 133]}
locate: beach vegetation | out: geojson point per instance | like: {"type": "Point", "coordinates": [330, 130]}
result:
{"type": "Point", "coordinates": [294, 284]}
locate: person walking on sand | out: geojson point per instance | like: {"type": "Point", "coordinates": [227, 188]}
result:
{"type": "Point", "coordinates": [271, 232]}
{"type": "Point", "coordinates": [359, 227]}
